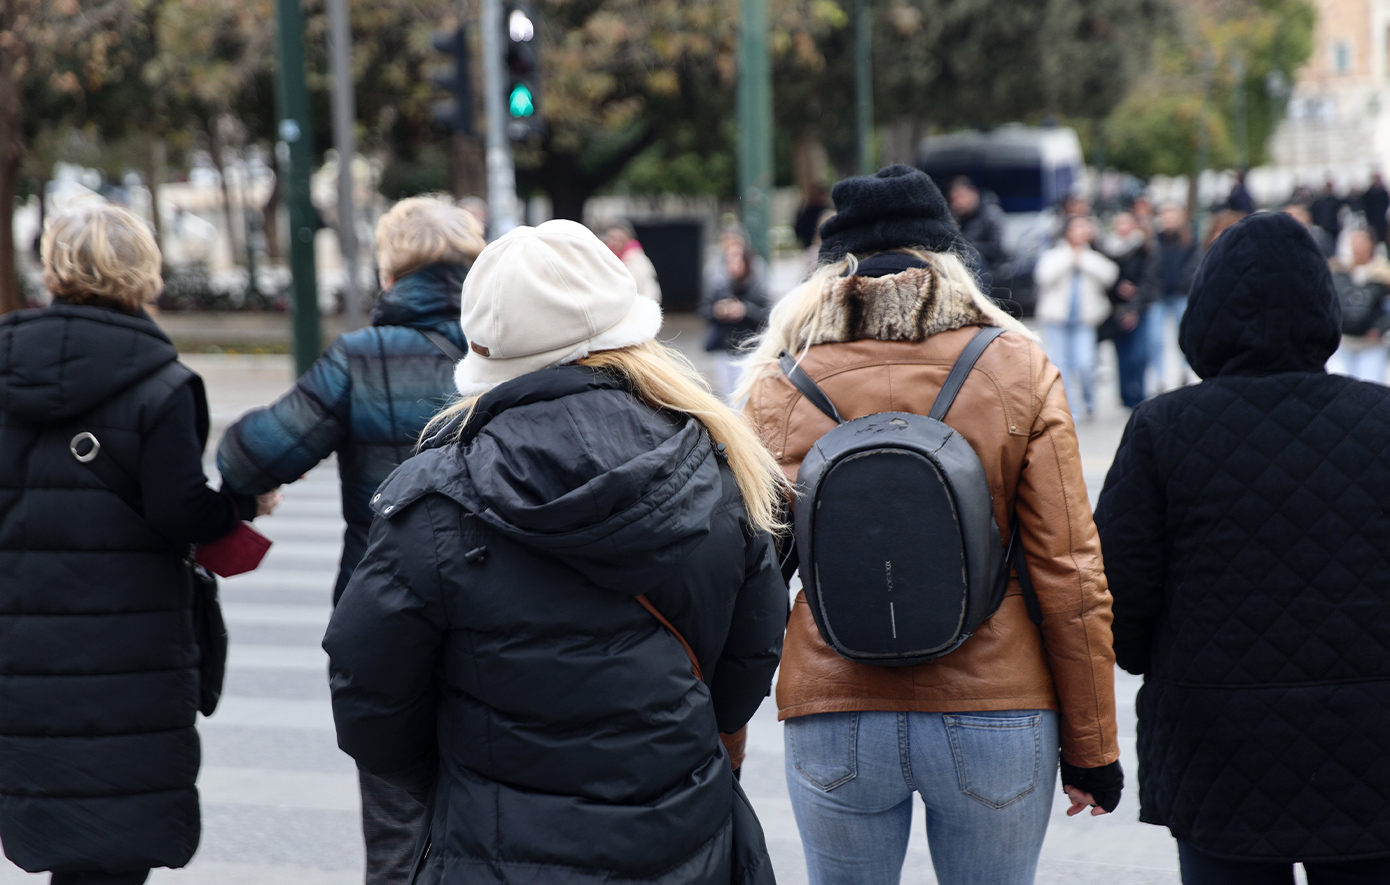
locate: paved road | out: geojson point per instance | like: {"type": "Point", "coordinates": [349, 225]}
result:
{"type": "Point", "coordinates": [279, 799]}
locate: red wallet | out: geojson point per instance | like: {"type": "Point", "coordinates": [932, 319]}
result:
{"type": "Point", "coordinates": [239, 551]}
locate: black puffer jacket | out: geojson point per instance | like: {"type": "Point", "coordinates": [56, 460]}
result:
{"type": "Point", "coordinates": [1248, 549]}
{"type": "Point", "coordinates": [489, 645]}
{"type": "Point", "coordinates": [98, 664]}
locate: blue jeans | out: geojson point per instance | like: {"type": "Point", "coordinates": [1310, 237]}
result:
{"type": "Point", "coordinates": [986, 780]}
{"type": "Point", "coordinates": [1132, 358]}
{"type": "Point", "coordinates": [1072, 348]}
{"type": "Point", "coordinates": [1172, 306]}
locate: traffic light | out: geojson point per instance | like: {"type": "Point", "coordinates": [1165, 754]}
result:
{"type": "Point", "coordinates": [456, 113]}
{"type": "Point", "coordinates": [523, 69]}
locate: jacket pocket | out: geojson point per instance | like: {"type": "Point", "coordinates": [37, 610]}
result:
{"type": "Point", "coordinates": [823, 747]}
{"type": "Point", "coordinates": [997, 755]}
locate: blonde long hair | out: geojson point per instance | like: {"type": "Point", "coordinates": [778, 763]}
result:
{"type": "Point", "coordinates": [664, 379]}
{"type": "Point", "coordinates": [797, 321]}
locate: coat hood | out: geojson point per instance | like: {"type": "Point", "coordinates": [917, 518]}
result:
{"type": "Point", "coordinates": [428, 297]}
{"type": "Point", "coordinates": [568, 462]}
{"type": "Point", "coordinates": [59, 362]}
{"type": "Point", "coordinates": [1262, 302]}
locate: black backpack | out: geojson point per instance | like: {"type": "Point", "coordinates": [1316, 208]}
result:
{"type": "Point", "coordinates": [900, 556]}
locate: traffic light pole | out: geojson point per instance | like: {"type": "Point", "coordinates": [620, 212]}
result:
{"type": "Point", "coordinates": [501, 173]}
{"type": "Point", "coordinates": [345, 140]}
{"type": "Point", "coordinates": [755, 124]}
{"type": "Point", "coordinates": [296, 134]}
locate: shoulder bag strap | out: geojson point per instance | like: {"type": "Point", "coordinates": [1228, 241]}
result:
{"type": "Point", "coordinates": [442, 343]}
{"type": "Point", "coordinates": [86, 449]}
{"type": "Point", "coordinates": [736, 744]}
{"type": "Point", "coordinates": [689, 652]}
{"type": "Point", "coordinates": [809, 389]}
{"type": "Point", "coordinates": [964, 363]}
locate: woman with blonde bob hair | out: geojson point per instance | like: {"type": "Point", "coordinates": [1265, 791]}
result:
{"type": "Point", "coordinates": [976, 732]}
{"type": "Point", "coordinates": [569, 594]}
{"type": "Point", "coordinates": [102, 493]}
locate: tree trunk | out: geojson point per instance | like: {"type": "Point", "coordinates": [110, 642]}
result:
{"type": "Point", "coordinates": [470, 167]}
{"type": "Point", "coordinates": [270, 221]}
{"type": "Point", "coordinates": [11, 155]}
{"type": "Point", "coordinates": [809, 163]}
{"type": "Point", "coordinates": [154, 161]}
{"type": "Point", "coordinates": [10, 297]}
{"type": "Point", "coordinates": [219, 162]}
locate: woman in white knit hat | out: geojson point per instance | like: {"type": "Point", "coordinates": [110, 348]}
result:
{"type": "Point", "coordinates": [568, 595]}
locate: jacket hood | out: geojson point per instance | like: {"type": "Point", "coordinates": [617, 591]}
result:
{"type": "Point", "coordinates": [428, 297]}
{"type": "Point", "coordinates": [60, 362]}
{"type": "Point", "coordinates": [1262, 302]}
{"type": "Point", "coordinates": [568, 462]}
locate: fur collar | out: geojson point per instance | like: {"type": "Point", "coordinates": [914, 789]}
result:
{"type": "Point", "coordinates": [901, 307]}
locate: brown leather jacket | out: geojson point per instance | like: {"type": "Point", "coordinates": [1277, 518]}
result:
{"type": "Point", "coordinates": [1013, 411]}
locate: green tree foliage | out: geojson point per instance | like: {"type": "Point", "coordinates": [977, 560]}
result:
{"type": "Point", "coordinates": [1192, 88]}
{"type": "Point", "coordinates": [59, 60]}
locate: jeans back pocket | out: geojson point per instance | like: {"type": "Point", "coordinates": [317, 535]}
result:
{"type": "Point", "coordinates": [997, 755]}
{"type": "Point", "coordinates": [823, 747]}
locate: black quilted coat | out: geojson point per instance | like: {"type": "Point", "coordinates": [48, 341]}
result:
{"type": "Point", "coordinates": [489, 647]}
{"type": "Point", "coordinates": [98, 662]}
{"type": "Point", "coordinates": [1248, 549]}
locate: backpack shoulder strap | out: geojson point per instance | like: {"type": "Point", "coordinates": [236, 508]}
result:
{"type": "Point", "coordinates": [809, 389]}
{"type": "Point", "coordinates": [964, 363]}
{"type": "Point", "coordinates": [442, 343]}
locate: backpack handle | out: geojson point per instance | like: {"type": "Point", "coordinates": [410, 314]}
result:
{"type": "Point", "coordinates": [809, 389]}
{"type": "Point", "coordinates": [964, 363]}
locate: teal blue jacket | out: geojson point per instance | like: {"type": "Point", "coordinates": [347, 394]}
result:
{"type": "Point", "coordinates": [367, 399]}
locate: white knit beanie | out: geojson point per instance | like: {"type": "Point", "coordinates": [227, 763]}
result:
{"type": "Point", "coordinates": [546, 296]}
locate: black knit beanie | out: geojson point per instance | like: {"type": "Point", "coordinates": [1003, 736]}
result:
{"type": "Point", "coordinates": [896, 207]}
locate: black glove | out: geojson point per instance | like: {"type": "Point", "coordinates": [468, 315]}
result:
{"type": "Point", "coordinates": [1104, 784]}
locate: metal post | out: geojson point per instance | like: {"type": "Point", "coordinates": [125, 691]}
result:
{"type": "Point", "coordinates": [1242, 134]}
{"type": "Point", "coordinates": [296, 134]}
{"type": "Point", "coordinates": [864, 87]}
{"type": "Point", "coordinates": [501, 173]}
{"type": "Point", "coordinates": [755, 124]}
{"type": "Point", "coordinates": [345, 140]}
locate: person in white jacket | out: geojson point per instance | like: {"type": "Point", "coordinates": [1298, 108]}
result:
{"type": "Point", "coordinates": [1072, 280]}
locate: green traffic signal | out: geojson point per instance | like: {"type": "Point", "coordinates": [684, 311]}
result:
{"type": "Point", "coordinates": [521, 103]}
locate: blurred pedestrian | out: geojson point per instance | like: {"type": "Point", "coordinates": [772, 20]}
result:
{"type": "Point", "coordinates": [1171, 266]}
{"type": "Point", "coordinates": [1326, 211]}
{"type": "Point", "coordinates": [489, 655]}
{"type": "Point", "coordinates": [1073, 279]}
{"type": "Point", "coordinates": [367, 399]}
{"type": "Point", "coordinates": [102, 494]}
{"type": "Point", "coordinates": [1363, 291]}
{"type": "Point", "coordinates": [1299, 212]}
{"type": "Point", "coordinates": [1249, 557]}
{"type": "Point", "coordinates": [621, 237]}
{"type": "Point", "coordinates": [976, 732]}
{"type": "Point", "coordinates": [736, 303]}
{"type": "Point", "coordinates": [1143, 211]}
{"type": "Point", "coordinates": [982, 224]}
{"type": "Point", "coordinates": [1375, 203]}
{"type": "Point", "coordinates": [1221, 220]}
{"type": "Point", "coordinates": [1239, 200]}
{"type": "Point", "coordinates": [1127, 246]}
{"type": "Point", "coordinates": [808, 217]}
